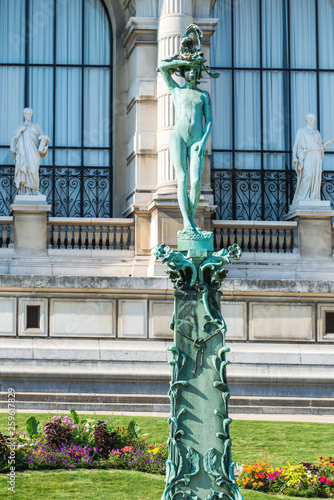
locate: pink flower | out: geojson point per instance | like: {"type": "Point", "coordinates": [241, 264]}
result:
{"type": "Point", "coordinates": [126, 449]}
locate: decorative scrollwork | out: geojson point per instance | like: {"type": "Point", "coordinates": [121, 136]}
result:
{"type": "Point", "coordinates": [242, 194]}
{"type": "Point", "coordinates": [175, 476]}
{"type": "Point", "coordinates": [185, 275]}
{"type": "Point", "coordinates": [181, 271]}
{"type": "Point", "coordinates": [71, 191]}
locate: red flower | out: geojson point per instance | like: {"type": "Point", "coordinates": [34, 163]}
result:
{"type": "Point", "coordinates": [126, 449]}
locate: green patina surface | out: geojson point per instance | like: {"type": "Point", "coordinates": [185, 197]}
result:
{"type": "Point", "coordinates": [199, 466]}
{"type": "Point", "coordinates": [192, 105]}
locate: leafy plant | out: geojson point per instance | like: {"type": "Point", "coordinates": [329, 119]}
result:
{"type": "Point", "coordinates": [134, 429]}
{"type": "Point", "coordinates": [75, 417]}
{"type": "Point", "coordinates": [4, 452]}
{"type": "Point", "coordinates": [57, 434]}
{"type": "Point", "coordinates": [104, 440]}
{"type": "Point", "coordinates": [34, 427]}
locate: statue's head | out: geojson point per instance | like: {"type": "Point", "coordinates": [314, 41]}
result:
{"type": "Point", "coordinates": [191, 75]}
{"type": "Point", "coordinates": [310, 118]}
{"type": "Point", "coordinates": [27, 113]}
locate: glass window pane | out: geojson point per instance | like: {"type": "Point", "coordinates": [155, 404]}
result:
{"type": "Point", "coordinates": [302, 34]}
{"type": "Point", "coordinates": [246, 34]}
{"type": "Point", "coordinates": [41, 97]}
{"type": "Point", "coordinates": [96, 107]}
{"type": "Point", "coordinates": [97, 33]}
{"type": "Point", "coordinates": [326, 34]}
{"type": "Point", "coordinates": [6, 157]}
{"type": "Point", "coordinates": [222, 161]}
{"type": "Point", "coordinates": [68, 157]}
{"type": "Point", "coordinates": [275, 110]}
{"type": "Point", "coordinates": [303, 98]}
{"type": "Point", "coordinates": [248, 161]}
{"type": "Point", "coordinates": [274, 34]}
{"type": "Point", "coordinates": [247, 110]}
{"type": "Point", "coordinates": [69, 32]}
{"type": "Point", "coordinates": [48, 160]}
{"type": "Point", "coordinates": [328, 164]}
{"type": "Point", "coordinates": [12, 31]}
{"type": "Point", "coordinates": [68, 107]}
{"type": "Point", "coordinates": [11, 101]}
{"type": "Point", "coordinates": [222, 111]}
{"type": "Point", "coordinates": [96, 158]}
{"type": "Point", "coordinates": [41, 16]}
{"type": "Point", "coordinates": [327, 107]}
{"type": "Point", "coordinates": [276, 161]}
{"type": "Point", "coordinates": [221, 50]}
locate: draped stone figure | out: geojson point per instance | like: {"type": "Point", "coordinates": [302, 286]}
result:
{"type": "Point", "coordinates": [308, 154]}
{"type": "Point", "coordinates": [28, 145]}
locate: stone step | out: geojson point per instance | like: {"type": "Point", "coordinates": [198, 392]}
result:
{"type": "Point", "coordinates": [158, 403]}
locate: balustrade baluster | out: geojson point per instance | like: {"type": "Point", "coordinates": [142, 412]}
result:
{"type": "Point", "coordinates": [76, 236]}
{"type": "Point", "coordinates": [104, 237]}
{"type": "Point", "coordinates": [90, 236]}
{"type": "Point", "coordinates": [252, 239]}
{"type": "Point", "coordinates": [281, 240]}
{"type": "Point", "coordinates": [266, 238]}
{"type": "Point", "coordinates": [131, 237]}
{"type": "Point", "coordinates": [118, 234]}
{"type": "Point", "coordinates": [260, 240]}
{"type": "Point", "coordinates": [62, 235]}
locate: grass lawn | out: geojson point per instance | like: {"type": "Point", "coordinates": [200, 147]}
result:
{"type": "Point", "coordinates": [274, 442]}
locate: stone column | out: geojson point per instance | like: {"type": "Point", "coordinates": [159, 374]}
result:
{"type": "Point", "coordinates": [199, 464]}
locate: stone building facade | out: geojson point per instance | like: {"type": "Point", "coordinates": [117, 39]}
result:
{"type": "Point", "coordinates": [84, 305]}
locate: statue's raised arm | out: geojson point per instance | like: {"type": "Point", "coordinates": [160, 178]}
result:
{"type": "Point", "coordinates": [192, 105]}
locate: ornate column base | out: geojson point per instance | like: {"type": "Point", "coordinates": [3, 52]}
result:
{"type": "Point", "coordinates": [199, 465]}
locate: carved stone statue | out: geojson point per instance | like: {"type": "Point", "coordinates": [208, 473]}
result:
{"type": "Point", "coordinates": [188, 139]}
{"type": "Point", "coordinates": [308, 154]}
{"type": "Point", "coordinates": [28, 145]}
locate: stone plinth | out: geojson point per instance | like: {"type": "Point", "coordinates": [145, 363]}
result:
{"type": "Point", "coordinates": [30, 224]}
{"type": "Point", "coordinates": [314, 229]}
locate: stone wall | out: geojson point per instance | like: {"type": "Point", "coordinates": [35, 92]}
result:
{"type": "Point", "coordinates": [108, 334]}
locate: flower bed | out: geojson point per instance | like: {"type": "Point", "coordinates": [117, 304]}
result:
{"type": "Point", "coordinates": [68, 442]}
{"type": "Point", "coordinates": [302, 480]}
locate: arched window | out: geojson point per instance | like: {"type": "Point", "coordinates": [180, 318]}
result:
{"type": "Point", "coordinates": [276, 65]}
{"type": "Point", "coordinates": [55, 57]}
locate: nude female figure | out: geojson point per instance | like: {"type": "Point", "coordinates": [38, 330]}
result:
{"type": "Point", "coordinates": [188, 139]}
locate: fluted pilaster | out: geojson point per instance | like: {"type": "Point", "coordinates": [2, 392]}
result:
{"type": "Point", "coordinates": [175, 16]}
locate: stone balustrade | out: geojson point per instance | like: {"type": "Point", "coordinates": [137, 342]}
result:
{"type": "Point", "coordinates": [6, 232]}
{"type": "Point", "coordinates": [89, 233]}
{"type": "Point", "coordinates": [257, 236]}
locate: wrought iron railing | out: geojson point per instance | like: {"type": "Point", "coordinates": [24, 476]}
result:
{"type": "Point", "coordinates": [85, 233]}
{"type": "Point", "coordinates": [71, 191]}
{"type": "Point", "coordinates": [269, 237]}
{"type": "Point", "coordinates": [252, 194]}
{"type": "Point", "coordinates": [259, 194]}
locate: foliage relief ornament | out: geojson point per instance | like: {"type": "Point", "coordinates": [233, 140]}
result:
{"type": "Point", "coordinates": [204, 277]}
{"type": "Point", "coordinates": [185, 275]}
{"type": "Point", "coordinates": [174, 464]}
